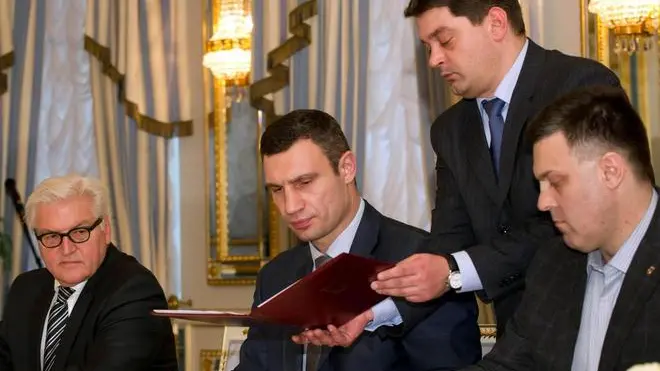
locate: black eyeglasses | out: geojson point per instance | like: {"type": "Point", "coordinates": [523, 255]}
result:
{"type": "Point", "coordinates": [52, 240]}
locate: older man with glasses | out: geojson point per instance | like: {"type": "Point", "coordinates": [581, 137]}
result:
{"type": "Point", "coordinates": [89, 309]}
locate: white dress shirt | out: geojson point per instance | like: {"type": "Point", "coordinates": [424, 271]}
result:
{"type": "Point", "coordinates": [604, 282]}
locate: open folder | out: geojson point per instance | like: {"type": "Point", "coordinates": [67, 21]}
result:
{"type": "Point", "coordinates": [333, 294]}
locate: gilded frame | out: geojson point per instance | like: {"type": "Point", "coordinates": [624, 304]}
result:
{"type": "Point", "coordinates": [242, 268]}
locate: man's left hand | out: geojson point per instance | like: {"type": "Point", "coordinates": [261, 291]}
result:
{"type": "Point", "coordinates": [418, 278]}
{"type": "Point", "coordinates": [343, 336]}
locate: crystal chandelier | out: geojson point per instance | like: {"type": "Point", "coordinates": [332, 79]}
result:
{"type": "Point", "coordinates": [229, 55]}
{"type": "Point", "coordinates": [634, 22]}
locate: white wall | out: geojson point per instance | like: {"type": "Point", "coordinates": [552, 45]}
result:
{"type": "Point", "coordinates": [554, 24]}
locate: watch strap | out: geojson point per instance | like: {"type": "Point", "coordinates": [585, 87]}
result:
{"type": "Point", "coordinates": [451, 261]}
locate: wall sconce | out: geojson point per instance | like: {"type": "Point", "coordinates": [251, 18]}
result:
{"type": "Point", "coordinates": [634, 22]}
{"type": "Point", "coordinates": [229, 54]}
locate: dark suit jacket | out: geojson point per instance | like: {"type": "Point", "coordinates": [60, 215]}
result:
{"type": "Point", "coordinates": [498, 222]}
{"type": "Point", "coordinates": [543, 332]}
{"type": "Point", "coordinates": [110, 327]}
{"type": "Point", "coordinates": [447, 340]}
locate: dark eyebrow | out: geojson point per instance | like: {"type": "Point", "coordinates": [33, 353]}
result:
{"type": "Point", "coordinates": [437, 32]}
{"type": "Point", "coordinates": [297, 179]}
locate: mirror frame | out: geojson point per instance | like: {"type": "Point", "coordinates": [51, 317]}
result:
{"type": "Point", "coordinates": [218, 235]}
{"type": "Point", "coordinates": [219, 239]}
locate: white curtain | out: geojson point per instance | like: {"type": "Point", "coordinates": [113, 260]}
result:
{"type": "Point", "coordinates": [65, 142]}
{"type": "Point", "coordinates": [397, 120]}
{"type": "Point", "coordinates": [141, 100]}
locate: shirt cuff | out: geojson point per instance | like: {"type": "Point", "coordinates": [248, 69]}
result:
{"type": "Point", "coordinates": [385, 314]}
{"type": "Point", "coordinates": [469, 278]}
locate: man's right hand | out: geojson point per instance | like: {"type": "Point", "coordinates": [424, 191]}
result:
{"type": "Point", "coordinates": [418, 278]}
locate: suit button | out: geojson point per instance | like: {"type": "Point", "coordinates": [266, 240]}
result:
{"type": "Point", "coordinates": [503, 229]}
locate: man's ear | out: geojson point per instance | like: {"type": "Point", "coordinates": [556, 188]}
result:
{"type": "Point", "coordinates": [107, 231]}
{"type": "Point", "coordinates": [613, 168]}
{"type": "Point", "coordinates": [348, 166]}
{"type": "Point", "coordinates": [498, 23]}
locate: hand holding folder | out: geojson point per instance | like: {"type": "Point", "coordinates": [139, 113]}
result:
{"type": "Point", "coordinates": [331, 295]}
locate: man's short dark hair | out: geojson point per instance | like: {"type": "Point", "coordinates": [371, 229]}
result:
{"type": "Point", "coordinates": [600, 116]}
{"type": "Point", "coordinates": [474, 10]}
{"type": "Point", "coordinates": [315, 125]}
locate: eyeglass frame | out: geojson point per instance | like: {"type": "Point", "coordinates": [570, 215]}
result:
{"type": "Point", "coordinates": [67, 234]}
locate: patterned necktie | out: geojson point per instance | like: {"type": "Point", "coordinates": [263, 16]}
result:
{"type": "Point", "coordinates": [57, 319]}
{"type": "Point", "coordinates": [493, 109]}
{"type": "Point", "coordinates": [313, 352]}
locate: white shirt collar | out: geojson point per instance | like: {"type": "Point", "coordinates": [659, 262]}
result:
{"type": "Point", "coordinates": [505, 89]}
{"type": "Point", "coordinates": [343, 242]}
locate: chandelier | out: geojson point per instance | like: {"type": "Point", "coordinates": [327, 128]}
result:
{"type": "Point", "coordinates": [229, 55]}
{"type": "Point", "coordinates": [634, 22]}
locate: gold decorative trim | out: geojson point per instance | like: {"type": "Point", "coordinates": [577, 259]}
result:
{"type": "Point", "coordinates": [279, 72]}
{"type": "Point", "coordinates": [584, 28]}
{"type": "Point", "coordinates": [211, 359]}
{"type": "Point", "coordinates": [6, 61]}
{"type": "Point", "coordinates": [144, 122]}
{"type": "Point", "coordinates": [602, 42]}
{"type": "Point", "coordinates": [488, 331]}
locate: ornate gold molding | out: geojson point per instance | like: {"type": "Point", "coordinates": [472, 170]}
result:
{"type": "Point", "coordinates": [488, 331]}
{"type": "Point", "coordinates": [211, 359]}
{"type": "Point", "coordinates": [144, 122]}
{"type": "Point", "coordinates": [279, 72]}
{"type": "Point", "coordinates": [6, 61]}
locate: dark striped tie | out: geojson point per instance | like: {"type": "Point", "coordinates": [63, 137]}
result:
{"type": "Point", "coordinates": [57, 319]}
{"type": "Point", "coordinates": [314, 351]}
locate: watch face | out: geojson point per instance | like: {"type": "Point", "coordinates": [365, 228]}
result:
{"type": "Point", "coordinates": [455, 280]}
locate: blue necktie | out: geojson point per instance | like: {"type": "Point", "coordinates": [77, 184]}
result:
{"type": "Point", "coordinates": [493, 109]}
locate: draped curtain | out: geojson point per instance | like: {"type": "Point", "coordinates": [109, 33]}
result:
{"type": "Point", "coordinates": [140, 89]}
{"type": "Point", "coordinates": [21, 105]}
{"type": "Point", "coordinates": [94, 86]}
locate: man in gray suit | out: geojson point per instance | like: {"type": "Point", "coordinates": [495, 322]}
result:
{"type": "Point", "coordinates": [592, 301]}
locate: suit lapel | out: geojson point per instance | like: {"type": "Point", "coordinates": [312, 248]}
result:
{"type": "Point", "coordinates": [640, 282]}
{"type": "Point", "coordinates": [292, 352]}
{"type": "Point", "coordinates": [38, 313]}
{"type": "Point", "coordinates": [363, 244]}
{"type": "Point", "coordinates": [72, 326]}
{"type": "Point", "coordinates": [366, 236]}
{"type": "Point", "coordinates": [476, 148]}
{"type": "Point", "coordinates": [81, 307]}
{"type": "Point", "coordinates": [520, 110]}
{"type": "Point", "coordinates": [575, 281]}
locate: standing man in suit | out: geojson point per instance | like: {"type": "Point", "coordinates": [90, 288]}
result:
{"type": "Point", "coordinates": [90, 308]}
{"type": "Point", "coordinates": [485, 226]}
{"type": "Point", "coordinates": [592, 301]}
{"type": "Point", "coordinates": [310, 173]}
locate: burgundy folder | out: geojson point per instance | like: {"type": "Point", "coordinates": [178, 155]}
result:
{"type": "Point", "coordinates": [332, 294]}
